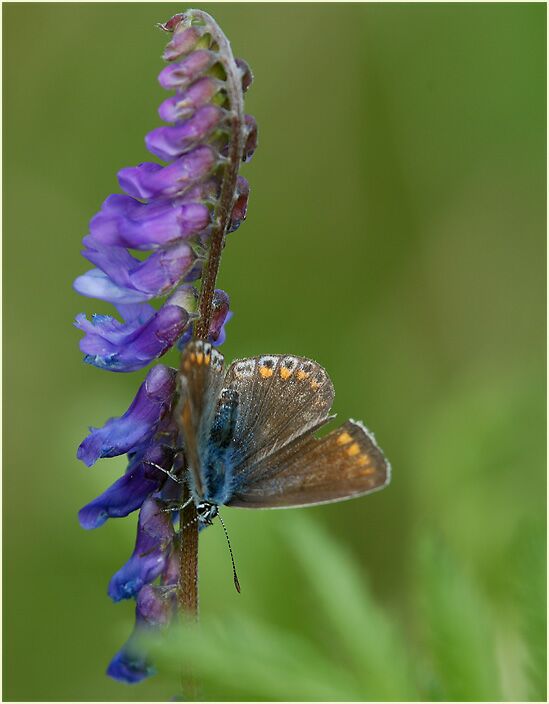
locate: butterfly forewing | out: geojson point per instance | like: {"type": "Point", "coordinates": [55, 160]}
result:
{"type": "Point", "coordinates": [280, 398]}
{"type": "Point", "coordinates": [344, 464]}
{"type": "Point", "coordinates": [201, 380]}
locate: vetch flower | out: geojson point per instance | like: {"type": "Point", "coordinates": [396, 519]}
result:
{"type": "Point", "coordinates": [155, 537]}
{"type": "Point", "coordinates": [138, 424]}
{"type": "Point", "coordinates": [127, 494]}
{"type": "Point", "coordinates": [149, 248]}
{"type": "Point", "coordinates": [155, 608]}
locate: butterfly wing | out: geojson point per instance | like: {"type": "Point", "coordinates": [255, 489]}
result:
{"type": "Point", "coordinates": [342, 465]}
{"type": "Point", "coordinates": [200, 382]}
{"type": "Point", "coordinates": [280, 398]}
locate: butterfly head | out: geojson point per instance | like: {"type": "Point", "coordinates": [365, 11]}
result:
{"type": "Point", "coordinates": [206, 512]}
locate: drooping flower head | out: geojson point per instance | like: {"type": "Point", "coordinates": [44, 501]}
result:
{"type": "Point", "coordinates": [151, 244]}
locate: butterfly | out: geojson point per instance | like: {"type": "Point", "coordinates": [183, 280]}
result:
{"type": "Point", "coordinates": [249, 435]}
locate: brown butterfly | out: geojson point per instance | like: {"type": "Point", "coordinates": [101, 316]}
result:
{"type": "Point", "coordinates": [249, 435]}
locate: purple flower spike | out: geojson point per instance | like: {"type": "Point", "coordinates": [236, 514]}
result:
{"type": "Point", "coordinates": [128, 493]}
{"type": "Point", "coordinates": [177, 213]}
{"type": "Point", "coordinates": [155, 534]}
{"type": "Point", "coordinates": [138, 424]}
{"type": "Point", "coordinates": [170, 142]}
{"type": "Point", "coordinates": [126, 222]}
{"type": "Point", "coordinates": [154, 181]}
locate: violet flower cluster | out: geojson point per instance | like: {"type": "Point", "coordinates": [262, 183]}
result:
{"type": "Point", "coordinates": [169, 212]}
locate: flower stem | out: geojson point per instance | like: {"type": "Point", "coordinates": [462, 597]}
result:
{"type": "Point", "coordinates": [188, 582]}
{"type": "Point", "coordinates": [228, 186]}
{"type": "Point", "coordinates": [188, 575]}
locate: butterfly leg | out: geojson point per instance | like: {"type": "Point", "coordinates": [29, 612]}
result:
{"type": "Point", "coordinates": [175, 505]}
{"type": "Point", "coordinates": [175, 478]}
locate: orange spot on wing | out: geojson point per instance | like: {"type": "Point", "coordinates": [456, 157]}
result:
{"type": "Point", "coordinates": [199, 358]}
{"type": "Point", "coordinates": [301, 375]}
{"type": "Point", "coordinates": [353, 450]}
{"type": "Point", "coordinates": [285, 373]}
{"type": "Point", "coordinates": [207, 358]}
{"type": "Point", "coordinates": [315, 385]}
{"type": "Point", "coordinates": [344, 438]}
{"type": "Point", "coordinates": [364, 461]}
{"type": "Point", "coordinates": [193, 357]}
{"type": "Point", "coordinates": [265, 372]}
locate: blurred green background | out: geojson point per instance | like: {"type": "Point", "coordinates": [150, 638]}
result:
{"type": "Point", "coordinates": [396, 233]}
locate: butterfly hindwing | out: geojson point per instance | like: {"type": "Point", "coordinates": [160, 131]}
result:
{"type": "Point", "coordinates": [280, 398]}
{"type": "Point", "coordinates": [201, 380]}
{"type": "Point", "coordinates": [344, 464]}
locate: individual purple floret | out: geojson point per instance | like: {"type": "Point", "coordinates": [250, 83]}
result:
{"type": "Point", "coordinates": [155, 607]}
{"type": "Point", "coordinates": [149, 248]}
{"type": "Point", "coordinates": [155, 536]}
{"type": "Point", "coordinates": [120, 435]}
{"type": "Point", "coordinates": [127, 494]}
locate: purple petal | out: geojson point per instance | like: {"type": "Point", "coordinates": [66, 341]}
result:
{"type": "Point", "coordinates": [153, 277]}
{"type": "Point", "coordinates": [96, 284]}
{"type": "Point", "coordinates": [182, 105]}
{"type": "Point", "coordinates": [128, 493]}
{"type": "Point", "coordinates": [183, 42]}
{"type": "Point", "coordinates": [126, 222]}
{"type": "Point", "coordinates": [155, 609]}
{"type": "Point", "coordinates": [156, 604]}
{"type": "Point", "coordinates": [173, 23]}
{"type": "Point", "coordinates": [170, 576]}
{"type": "Point", "coordinates": [119, 347]}
{"type": "Point", "coordinates": [167, 143]}
{"type": "Point", "coordinates": [138, 424]}
{"type": "Point", "coordinates": [251, 138]}
{"type": "Point", "coordinates": [246, 74]}
{"type": "Point", "coordinates": [220, 311]}
{"type": "Point", "coordinates": [180, 75]}
{"type": "Point", "coordinates": [240, 206]}
{"type": "Point", "coordinates": [206, 192]}
{"type": "Point", "coordinates": [222, 333]}
{"type": "Point", "coordinates": [155, 534]}
{"type": "Point", "coordinates": [130, 666]}
{"type": "Point", "coordinates": [220, 317]}
{"type": "Point", "coordinates": [154, 181]}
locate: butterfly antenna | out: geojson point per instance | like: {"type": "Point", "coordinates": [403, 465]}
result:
{"type": "Point", "coordinates": [235, 577]}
